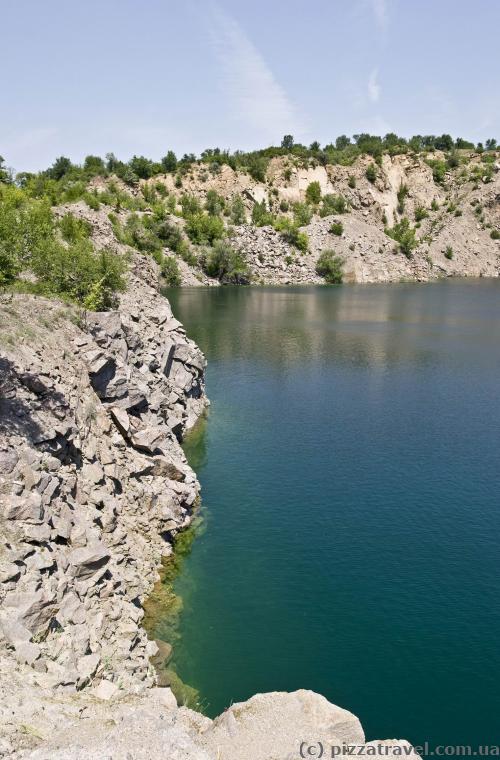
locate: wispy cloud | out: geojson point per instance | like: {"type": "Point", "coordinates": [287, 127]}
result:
{"type": "Point", "coordinates": [253, 93]}
{"type": "Point", "coordinates": [373, 86]}
{"type": "Point", "coordinates": [381, 13]}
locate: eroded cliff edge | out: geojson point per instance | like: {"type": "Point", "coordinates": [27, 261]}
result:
{"type": "Point", "coordinates": [93, 484]}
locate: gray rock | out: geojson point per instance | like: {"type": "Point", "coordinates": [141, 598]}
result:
{"type": "Point", "coordinates": [88, 560]}
{"type": "Point", "coordinates": [27, 508]}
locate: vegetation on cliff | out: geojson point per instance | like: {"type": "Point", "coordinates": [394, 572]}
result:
{"type": "Point", "coordinates": [161, 209]}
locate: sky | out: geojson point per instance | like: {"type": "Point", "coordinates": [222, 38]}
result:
{"type": "Point", "coordinates": [82, 77]}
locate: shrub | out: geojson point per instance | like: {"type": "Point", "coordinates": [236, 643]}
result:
{"type": "Point", "coordinates": [226, 264]}
{"type": "Point", "coordinates": [337, 228]}
{"type": "Point", "coordinates": [333, 204]}
{"type": "Point", "coordinates": [434, 205]}
{"type": "Point", "coordinates": [420, 213]}
{"type": "Point", "coordinates": [401, 195]}
{"type": "Point", "coordinates": [169, 234]}
{"type": "Point", "coordinates": [448, 252]}
{"type": "Point", "coordinates": [81, 274]}
{"type": "Point", "coordinates": [190, 205]}
{"type": "Point", "coordinates": [438, 171]}
{"type": "Point", "coordinates": [170, 271]}
{"type": "Point", "coordinates": [351, 181]}
{"type": "Point", "coordinates": [237, 213]}
{"type": "Point", "coordinates": [404, 234]}
{"type": "Point", "coordinates": [330, 266]}
{"type": "Point", "coordinates": [313, 193]}
{"type": "Point", "coordinates": [73, 229]}
{"type": "Point", "coordinates": [214, 203]}
{"type": "Point", "coordinates": [284, 206]}
{"type": "Point", "coordinates": [371, 173]}
{"type": "Point", "coordinates": [302, 214]}
{"type": "Point", "coordinates": [203, 229]}
{"type": "Point", "coordinates": [260, 215]}
{"type": "Point", "coordinates": [495, 235]}
{"type": "Point", "coordinates": [291, 233]}
{"type": "Point", "coordinates": [137, 235]}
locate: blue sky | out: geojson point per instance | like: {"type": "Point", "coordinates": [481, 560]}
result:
{"type": "Point", "coordinates": [146, 76]}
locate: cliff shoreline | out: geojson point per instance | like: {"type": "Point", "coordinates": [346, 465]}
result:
{"type": "Point", "coordinates": [93, 485]}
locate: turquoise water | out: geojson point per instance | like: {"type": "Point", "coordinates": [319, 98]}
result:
{"type": "Point", "coordinates": [351, 498]}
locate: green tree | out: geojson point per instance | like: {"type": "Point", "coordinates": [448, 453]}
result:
{"type": "Point", "coordinates": [59, 168]}
{"type": "Point", "coordinates": [169, 162]}
{"type": "Point", "coordinates": [287, 142]}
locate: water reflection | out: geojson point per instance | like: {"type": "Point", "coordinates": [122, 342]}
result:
{"type": "Point", "coordinates": [353, 323]}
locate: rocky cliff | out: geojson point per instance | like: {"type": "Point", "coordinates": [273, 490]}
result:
{"type": "Point", "coordinates": [454, 218]}
{"type": "Point", "coordinates": [93, 485]}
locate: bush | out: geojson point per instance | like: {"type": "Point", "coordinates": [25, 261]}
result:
{"type": "Point", "coordinates": [420, 213]}
{"type": "Point", "coordinates": [78, 272]}
{"type": "Point", "coordinates": [371, 173]}
{"type": "Point", "coordinates": [448, 252]}
{"type": "Point", "coordinates": [214, 203]}
{"type": "Point", "coordinates": [337, 228]}
{"type": "Point", "coordinates": [330, 266]}
{"type": "Point", "coordinates": [434, 205]}
{"type": "Point", "coordinates": [137, 235]}
{"type": "Point", "coordinates": [73, 229]}
{"type": "Point", "coordinates": [203, 229]}
{"type": "Point", "coordinates": [170, 271]}
{"type": "Point", "coordinates": [313, 193]}
{"type": "Point", "coordinates": [404, 234]}
{"type": "Point", "coordinates": [438, 171]}
{"type": "Point", "coordinates": [260, 215]}
{"type": "Point", "coordinates": [291, 233]}
{"type": "Point", "coordinates": [302, 214]}
{"type": "Point", "coordinates": [237, 213]}
{"type": "Point", "coordinates": [190, 205]}
{"type": "Point", "coordinates": [401, 195]}
{"type": "Point", "coordinates": [226, 264]}
{"type": "Point", "coordinates": [351, 181]}
{"type": "Point", "coordinates": [495, 235]}
{"type": "Point", "coordinates": [333, 204]}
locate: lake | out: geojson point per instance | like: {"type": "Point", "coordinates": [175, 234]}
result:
{"type": "Point", "coordinates": [351, 503]}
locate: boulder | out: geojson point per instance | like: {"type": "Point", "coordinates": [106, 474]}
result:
{"type": "Point", "coordinates": [86, 560]}
{"type": "Point", "coordinates": [106, 690]}
{"type": "Point", "coordinates": [274, 725]}
{"type": "Point", "coordinates": [27, 508]}
{"type": "Point", "coordinates": [33, 610]}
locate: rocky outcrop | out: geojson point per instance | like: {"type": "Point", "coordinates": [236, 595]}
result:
{"type": "Point", "coordinates": [274, 726]}
{"type": "Point", "coordinates": [93, 484]}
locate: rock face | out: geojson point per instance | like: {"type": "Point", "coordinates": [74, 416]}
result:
{"type": "Point", "coordinates": [459, 213]}
{"type": "Point", "coordinates": [93, 484]}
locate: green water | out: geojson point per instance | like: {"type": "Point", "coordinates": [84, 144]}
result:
{"type": "Point", "coordinates": [351, 503]}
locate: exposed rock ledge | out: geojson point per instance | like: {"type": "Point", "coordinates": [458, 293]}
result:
{"type": "Point", "coordinates": [93, 483]}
